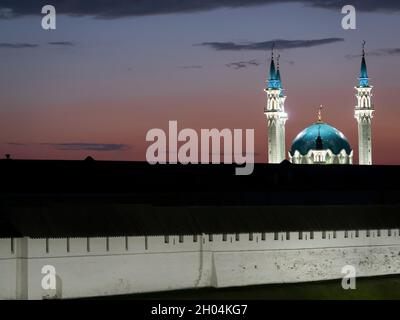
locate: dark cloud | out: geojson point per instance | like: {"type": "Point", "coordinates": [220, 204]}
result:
{"type": "Point", "coordinates": [6, 13]}
{"type": "Point", "coordinates": [9, 45]}
{"type": "Point", "coordinates": [191, 67]}
{"type": "Point", "coordinates": [386, 6]}
{"type": "Point", "coordinates": [77, 146]}
{"type": "Point", "coordinates": [243, 64]}
{"type": "Point", "coordinates": [126, 8]}
{"type": "Point", "coordinates": [378, 53]}
{"type": "Point", "coordinates": [290, 62]}
{"type": "Point", "coordinates": [266, 45]}
{"type": "Point", "coordinates": [16, 144]}
{"type": "Point", "coordinates": [388, 52]}
{"type": "Point", "coordinates": [88, 146]}
{"type": "Point", "coordinates": [61, 43]}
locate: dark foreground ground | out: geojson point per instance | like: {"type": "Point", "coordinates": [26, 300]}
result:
{"type": "Point", "coordinates": [385, 287]}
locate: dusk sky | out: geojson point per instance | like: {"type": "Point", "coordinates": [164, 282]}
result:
{"type": "Point", "coordinates": [111, 72]}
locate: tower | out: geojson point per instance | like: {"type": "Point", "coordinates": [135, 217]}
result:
{"type": "Point", "coordinates": [364, 113]}
{"type": "Point", "coordinates": [275, 113]}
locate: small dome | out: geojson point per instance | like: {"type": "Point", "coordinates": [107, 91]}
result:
{"type": "Point", "coordinates": [332, 139]}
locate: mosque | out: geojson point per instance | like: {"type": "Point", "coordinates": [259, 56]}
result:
{"type": "Point", "coordinates": [320, 143]}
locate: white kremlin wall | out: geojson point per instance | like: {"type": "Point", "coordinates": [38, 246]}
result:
{"type": "Point", "coordinates": [88, 267]}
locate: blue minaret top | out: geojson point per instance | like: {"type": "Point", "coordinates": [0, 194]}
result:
{"type": "Point", "coordinates": [278, 77]}
{"type": "Point", "coordinates": [273, 81]}
{"type": "Point", "coordinates": [363, 80]}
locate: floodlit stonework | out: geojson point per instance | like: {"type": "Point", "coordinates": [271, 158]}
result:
{"type": "Point", "coordinates": [88, 267]}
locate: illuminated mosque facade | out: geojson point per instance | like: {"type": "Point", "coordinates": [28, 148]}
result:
{"type": "Point", "coordinates": [320, 143]}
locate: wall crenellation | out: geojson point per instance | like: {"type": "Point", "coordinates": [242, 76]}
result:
{"type": "Point", "coordinates": [231, 241]}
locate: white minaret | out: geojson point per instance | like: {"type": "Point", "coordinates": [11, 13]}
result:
{"type": "Point", "coordinates": [363, 113]}
{"type": "Point", "coordinates": [276, 116]}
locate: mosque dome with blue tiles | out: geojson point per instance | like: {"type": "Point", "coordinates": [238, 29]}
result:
{"type": "Point", "coordinates": [320, 136]}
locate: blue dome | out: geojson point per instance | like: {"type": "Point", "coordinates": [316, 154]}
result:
{"type": "Point", "coordinates": [332, 139]}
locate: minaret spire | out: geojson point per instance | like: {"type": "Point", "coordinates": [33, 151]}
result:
{"type": "Point", "coordinates": [363, 48]}
{"type": "Point", "coordinates": [275, 113]}
{"type": "Point", "coordinates": [363, 80]}
{"type": "Point", "coordinates": [278, 72]}
{"type": "Point", "coordinates": [272, 79]}
{"type": "Point", "coordinates": [364, 113]}
{"type": "Point", "coordinates": [272, 50]}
